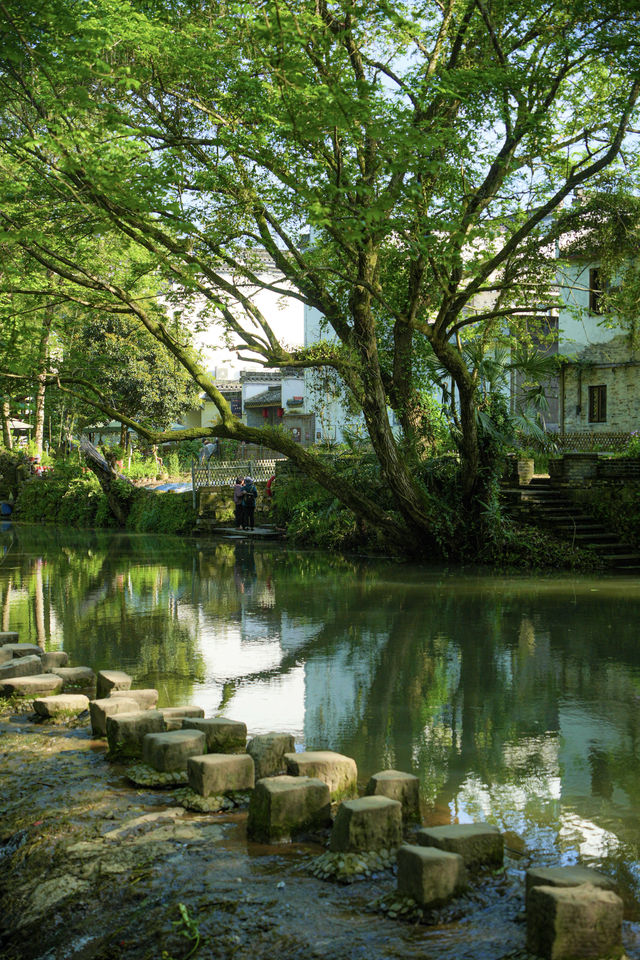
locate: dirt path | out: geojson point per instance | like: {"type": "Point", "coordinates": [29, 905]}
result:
{"type": "Point", "coordinates": [91, 867]}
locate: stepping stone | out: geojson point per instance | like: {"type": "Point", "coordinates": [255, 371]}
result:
{"type": "Point", "coordinates": [40, 685]}
{"type": "Point", "coordinates": [8, 636]}
{"type": "Point", "coordinates": [146, 698]}
{"type": "Point", "coordinates": [126, 731]}
{"type": "Point", "coordinates": [81, 678]}
{"type": "Point", "coordinates": [54, 659]}
{"type": "Point", "coordinates": [23, 649]}
{"type": "Point", "coordinates": [396, 785]}
{"type": "Point", "coordinates": [223, 736]}
{"type": "Point", "coordinates": [370, 823]}
{"type": "Point", "coordinates": [574, 922]}
{"type": "Point", "coordinates": [565, 877]}
{"type": "Point", "coordinates": [20, 667]}
{"type": "Point", "coordinates": [174, 716]}
{"type": "Point", "coordinates": [63, 704]}
{"type": "Point", "coordinates": [218, 773]}
{"type": "Point", "coordinates": [338, 772]}
{"type": "Point", "coordinates": [479, 844]}
{"type": "Point", "coordinates": [5, 655]}
{"type": "Point", "coordinates": [109, 680]}
{"type": "Point", "coordinates": [170, 751]}
{"type": "Point", "coordinates": [99, 710]}
{"type": "Point", "coordinates": [281, 807]}
{"type": "Point", "coordinates": [429, 876]}
{"type": "Point", "coordinates": [268, 750]}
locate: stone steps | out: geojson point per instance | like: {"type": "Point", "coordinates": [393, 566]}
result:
{"type": "Point", "coordinates": [550, 507]}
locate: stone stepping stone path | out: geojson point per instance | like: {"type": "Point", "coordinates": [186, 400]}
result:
{"type": "Point", "coordinates": [570, 911]}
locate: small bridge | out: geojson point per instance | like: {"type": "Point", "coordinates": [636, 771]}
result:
{"type": "Point", "coordinates": [222, 473]}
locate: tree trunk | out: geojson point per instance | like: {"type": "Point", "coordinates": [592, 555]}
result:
{"type": "Point", "coordinates": [119, 504]}
{"type": "Point", "coordinates": [43, 356]}
{"type": "Point", "coordinates": [6, 429]}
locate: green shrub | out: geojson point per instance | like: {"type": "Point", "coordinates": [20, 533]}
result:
{"type": "Point", "coordinates": [163, 512]}
{"type": "Point", "coordinates": [68, 494]}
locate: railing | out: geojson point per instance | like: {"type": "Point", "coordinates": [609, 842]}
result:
{"type": "Point", "coordinates": [222, 473]}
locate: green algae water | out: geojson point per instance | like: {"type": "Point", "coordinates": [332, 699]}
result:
{"type": "Point", "coordinates": [514, 699]}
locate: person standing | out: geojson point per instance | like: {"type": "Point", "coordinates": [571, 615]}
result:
{"type": "Point", "coordinates": [249, 497]}
{"type": "Point", "coordinates": [238, 492]}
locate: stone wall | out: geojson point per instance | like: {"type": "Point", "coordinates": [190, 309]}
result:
{"type": "Point", "coordinates": [615, 365]}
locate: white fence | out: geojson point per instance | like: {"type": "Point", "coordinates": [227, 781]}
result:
{"type": "Point", "coordinates": [222, 473]}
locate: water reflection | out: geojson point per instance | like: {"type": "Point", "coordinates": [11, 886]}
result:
{"type": "Point", "coordinates": [514, 699]}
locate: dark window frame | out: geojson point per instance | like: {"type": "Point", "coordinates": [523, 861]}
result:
{"type": "Point", "coordinates": [598, 403]}
{"type": "Point", "coordinates": [595, 291]}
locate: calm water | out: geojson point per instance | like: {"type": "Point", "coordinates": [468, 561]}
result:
{"type": "Point", "coordinates": [514, 699]}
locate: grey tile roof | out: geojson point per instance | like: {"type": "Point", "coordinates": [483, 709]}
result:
{"type": "Point", "coordinates": [270, 398]}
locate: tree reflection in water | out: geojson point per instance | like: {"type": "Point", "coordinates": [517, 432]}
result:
{"type": "Point", "coordinates": [512, 698]}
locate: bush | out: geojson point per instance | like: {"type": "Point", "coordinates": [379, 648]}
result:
{"type": "Point", "coordinates": [164, 512]}
{"type": "Point", "coordinates": [68, 494]}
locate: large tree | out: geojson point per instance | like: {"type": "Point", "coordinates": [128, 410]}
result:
{"type": "Point", "coordinates": [426, 145]}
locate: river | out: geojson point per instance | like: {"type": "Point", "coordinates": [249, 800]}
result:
{"type": "Point", "coordinates": [514, 698]}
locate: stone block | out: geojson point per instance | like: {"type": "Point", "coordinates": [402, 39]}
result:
{"type": "Point", "coordinates": [223, 736]}
{"type": "Point", "coordinates": [338, 772]}
{"type": "Point", "coordinates": [565, 877]}
{"type": "Point", "coordinates": [5, 655]}
{"type": "Point", "coordinates": [428, 875]}
{"type": "Point", "coordinates": [370, 823]}
{"type": "Point", "coordinates": [99, 710]}
{"type": "Point", "coordinates": [40, 685]}
{"type": "Point", "coordinates": [79, 678]}
{"type": "Point", "coordinates": [54, 659]}
{"type": "Point", "coordinates": [62, 704]}
{"type": "Point", "coordinates": [109, 680]}
{"type": "Point", "coordinates": [268, 750]}
{"type": "Point", "coordinates": [396, 785]}
{"type": "Point", "coordinates": [569, 923]}
{"type": "Point", "coordinates": [170, 751]}
{"type": "Point", "coordinates": [146, 698]}
{"type": "Point", "coordinates": [173, 716]}
{"type": "Point", "coordinates": [282, 807]}
{"type": "Point", "coordinates": [23, 649]}
{"type": "Point", "coordinates": [126, 731]}
{"type": "Point", "coordinates": [479, 844]}
{"type": "Point", "coordinates": [8, 636]}
{"type": "Point", "coordinates": [20, 667]}
{"type": "Point", "coordinates": [218, 773]}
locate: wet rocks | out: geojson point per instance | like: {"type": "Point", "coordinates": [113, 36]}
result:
{"type": "Point", "coordinates": [281, 807]}
{"type": "Point", "coordinates": [61, 705]}
{"type": "Point", "coordinates": [170, 751]}
{"type": "Point", "coordinates": [8, 636]}
{"type": "Point", "coordinates": [268, 751]}
{"type": "Point", "coordinates": [223, 736]}
{"type": "Point", "coordinates": [369, 823]}
{"type": "Point", "coordinates": [146, 698]}
{"type": "Point", "coordinates": [574, 922]}
{"type": "Point", "coordinates": [5, 655]}
{"type": "Point", "coordinates": [338, 772]}
{"type": "Point", "coordinates": [479, 844]}
{"type": "Point", "coordinates": [220, 773]}
{"type": "Point", "coordinates": [82, 678]}
{"type": "Point", "coordinates": [27, 666]}
{"type": "Point", "coordinates": [573, 876]}
{"type": "Point", "coordinates": [400, 786]}
{"type": "Point", "coordinates": [109, 680]}
{"type": "Point", "coordinates": [428, 875]}
{"type": "Point", "coordinates": [349, 867]}
{"type": "Point", "coordinates": [99, 710]}
{"type": "Point", "coordinates": [54, 659]}
{"type": "Point", "coordinates": [173, 716]}
{"type": "Point", "coordinates": [40, 684]}
{"type": "Point", "coordinates": [126, 731]}
{"type": "Point", "coordinates": [22, 649]}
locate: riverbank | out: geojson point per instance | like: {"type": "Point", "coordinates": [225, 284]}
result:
{"type": "Point", "coordinates": [94, 868]}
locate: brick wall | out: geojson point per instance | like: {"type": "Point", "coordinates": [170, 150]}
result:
{"type": "Point", "coordinates": [615, 365]}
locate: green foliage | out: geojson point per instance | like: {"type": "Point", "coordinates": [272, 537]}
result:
{"type": "Point", "coordinates": [529, 548]}
{"type": "Point", "coordinates": [187, 928]}
{"type": "Point", "coordinates": [163, 512]}
{"type": "Point", "coordinates": [68, 494]}
{"type": "Point", "coordinates": [617, 505]}
{"type": "Point", "coordinates": [632, 448]}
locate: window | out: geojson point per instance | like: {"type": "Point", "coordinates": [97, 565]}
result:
{"type": "Point", "coordinates": [595, 291]}
{"type": "Point", "coordinates": [597, 404]}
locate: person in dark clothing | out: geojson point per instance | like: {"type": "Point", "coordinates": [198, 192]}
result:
{"type": "Point", "coordinates": [249, 497]}
{"type": "Point", "coordinates": [237, 501]}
